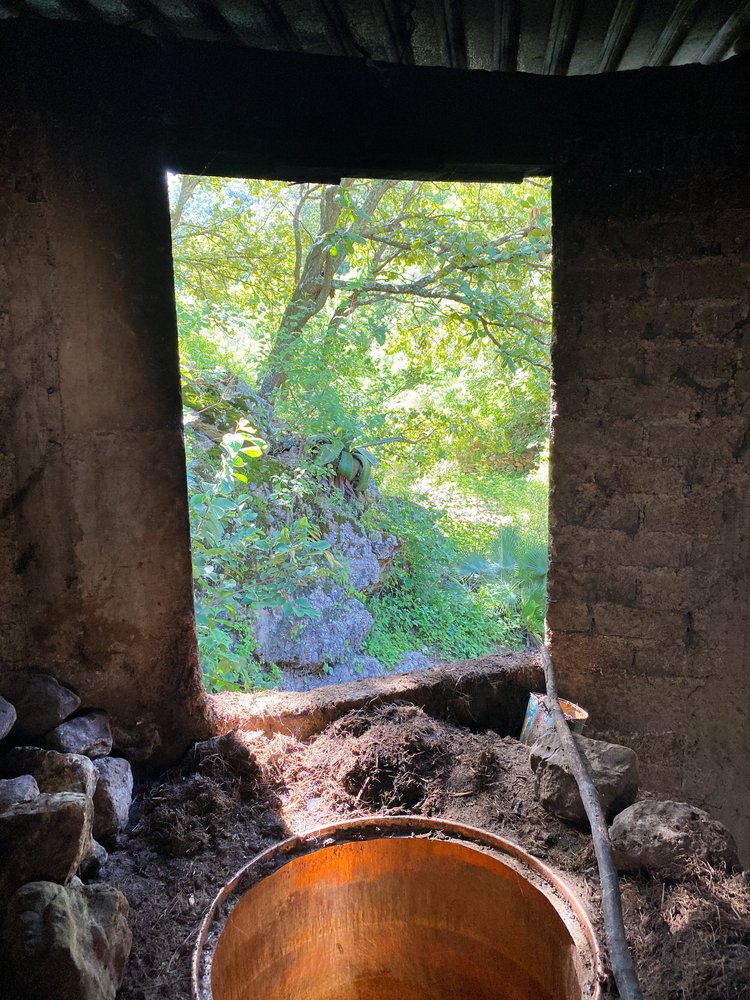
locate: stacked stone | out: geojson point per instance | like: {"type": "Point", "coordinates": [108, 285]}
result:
{"type": "Point", "coordinates": [62, 798]}
{"type": "Point", "coordinates": [646, 835]}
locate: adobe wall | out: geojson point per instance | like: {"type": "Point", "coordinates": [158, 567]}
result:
{"type": "Point", "coordinates": [649, 510]}
{"type": "Point", "coordinates": [94, 537]}
{"type": "Point", "coordinates": [650, 504]}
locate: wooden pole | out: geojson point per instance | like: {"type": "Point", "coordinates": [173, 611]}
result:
{"type": "Point", "coordinates": [620, 957]}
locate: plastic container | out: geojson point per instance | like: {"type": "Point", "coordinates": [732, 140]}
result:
{"type": "Point", "coordinates": [539, 717]}
{"type": "Point", "coordinates": [396, 908]}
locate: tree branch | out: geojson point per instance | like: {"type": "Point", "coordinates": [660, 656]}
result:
{"type": "Point", "coordinates": [188, 184]}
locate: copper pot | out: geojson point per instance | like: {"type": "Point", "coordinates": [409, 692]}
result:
{"type": "Point", "coordinates": [396, 908]}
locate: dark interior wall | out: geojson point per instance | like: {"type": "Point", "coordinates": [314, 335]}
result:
{"type": "Point", "coordinates": [95, 532]}
{"type": "Point", "coordinates": [650, 511]}
{"type": "Point", "coordinates": [651, 240]}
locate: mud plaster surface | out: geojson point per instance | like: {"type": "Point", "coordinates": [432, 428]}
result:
{"type": "Point", "coordinates": [195, 828]}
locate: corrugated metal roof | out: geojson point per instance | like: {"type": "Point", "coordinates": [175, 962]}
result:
{"type": "Point", "coordinates": [551, 37]}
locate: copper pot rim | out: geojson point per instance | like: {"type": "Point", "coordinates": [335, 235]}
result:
{"type": "Point", "coordinates": [558, 891]}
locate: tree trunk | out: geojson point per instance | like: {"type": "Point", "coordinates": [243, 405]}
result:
{"type": "Point", "coordinates": [315, 283]}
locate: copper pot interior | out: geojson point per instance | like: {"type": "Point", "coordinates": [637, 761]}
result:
{"type": "Point", "coordinates": [398, 919]}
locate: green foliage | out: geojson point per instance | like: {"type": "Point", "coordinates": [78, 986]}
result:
{"type": "Point", "coordinates": [425, 606]}
{"type": "Point", "coordinates": [411, 318]}
{"type": "Point", "coordinates": [251, 551]}
{"type": "Point", "coordinates": [512, 575]}
{"type": "Point", "coordinates": [434, 313]}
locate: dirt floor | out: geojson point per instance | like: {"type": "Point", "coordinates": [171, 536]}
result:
{"type": "Point", "coordinates": [191, 831]}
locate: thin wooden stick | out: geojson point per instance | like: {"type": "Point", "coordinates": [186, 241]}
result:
{"type": "Point", "coordinates": [620, 957]}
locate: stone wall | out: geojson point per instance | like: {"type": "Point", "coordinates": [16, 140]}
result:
{"type": "Point", "coordinates": [650, 506]}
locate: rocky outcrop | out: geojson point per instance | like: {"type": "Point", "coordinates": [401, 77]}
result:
{"type": "Point", "coordinates": [66, 943]}
{"type": "Point", "coordinates": [366, 555]}
{"type": "Point", "coordinates": [89, 735]}
{"type": "Point", "coordinates": [40, 702]}
{"type": "Point", "coordinates": [45, 838]}
{"type": "Point", "coordinates": [113, 796]}
{"type": "Point", "coordinates": [659, 835]}
{"type": "Point", "coordinates": [355, 667]}
{"type": "Point", "coordinates": [413, 660]}
{"type": "Point", "coordinates": [613, 768]}
{"type": "Point", "coordinates": [339, 629]}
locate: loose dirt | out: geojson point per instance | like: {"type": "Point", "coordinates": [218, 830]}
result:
{"type": "Point", "coordinates": [235, 796]}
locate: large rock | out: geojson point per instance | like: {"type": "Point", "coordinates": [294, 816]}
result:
{"type": "Point", "coordinates": [87, 734]}
{"type": "Point", "coordinates": [341, 627]}
{"type": "Point", "coordinates": [661, 835]}
{"type": "Point", "coordinates": [8, 717]}
{"type": "Point", "coordinates": [46, 838]}
{"type": "Point", "coordinates": [366, 555]}
{"type": "Point", "coordinates": [67, 943]}
{"type": "Point", "coordinates": [113, 796]}
{"type": "Point", "coordinates": [613, 768]}
{"type": "Point", "coordinates": [13, 790]}
{"type": "Point", "coordinates": [414, 660]}
{"type": "Point", "coordinates": [354, 668]}
{"type": "Point", "coordinates": [53, 771]}
{"type": "Point", "coordinates": [40, 702]}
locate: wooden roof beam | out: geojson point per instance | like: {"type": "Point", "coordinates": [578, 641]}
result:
{"type": "Point", "coordinates": [566, 16]}
{"type": "Point", "coordinates": [400, 20]}
{"type": "Point", "coordinates": [454, 33]}
{"type": "Point", "coordinates": [507, 35]}
{"type": "Point", "coordinates": [211, 16]}
{"type": "Point", "coordinates": [680, 21]}
{"type": "Point", "coordinates": [340, 31]}
{"type": "Point", "coordinates": [620, 31]}
{"type": "Point", "coordinates": [733, 28]}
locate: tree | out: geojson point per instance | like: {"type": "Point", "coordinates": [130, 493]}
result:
{"type": "Point", "coordinates": [334, 317]}
{"type": "Point", "coordinates": [315, 277]}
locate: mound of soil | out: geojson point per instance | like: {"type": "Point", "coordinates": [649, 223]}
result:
{"type": "Point", "coordinates": [235, 796]}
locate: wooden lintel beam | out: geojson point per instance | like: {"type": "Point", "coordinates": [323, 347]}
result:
{"type": "Point", "coordinates": [620, 31]}
{"type": "Point", "coordinates": [680, 21]}
{"type": "Point", "coordinates": [566, 16]}
{"type": "Point", "coordinates": [234, 111]}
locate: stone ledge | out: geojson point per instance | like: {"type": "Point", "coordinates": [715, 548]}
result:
{"type": "Point", "coordinates": [490, 692]}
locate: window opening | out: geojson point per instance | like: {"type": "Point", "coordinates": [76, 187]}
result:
{"type": "Point", "coordinates": [366, 388]}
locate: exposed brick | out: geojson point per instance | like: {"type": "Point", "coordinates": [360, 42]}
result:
{"type": "Point", "coordinates": [574, 616]}
{"type": "Point", "coordinates": [704, 278]}
{"type": "Point", "coordinates": [596, 284]}
{"type": "Point", "coordinates": [691, 440]}
{"type": "Point", "coordinates": [650, 532]}
{"type": "Point", "coordinates": [654, 659]}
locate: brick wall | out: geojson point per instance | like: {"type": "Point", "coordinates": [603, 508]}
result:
{"type": "Point", "coordinates": [650, 506]}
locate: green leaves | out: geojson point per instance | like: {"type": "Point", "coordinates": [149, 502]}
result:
{"type": "Point", "coordinates": [353, 463]}
{"type": "Point", "coordinates": [411, 321]}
